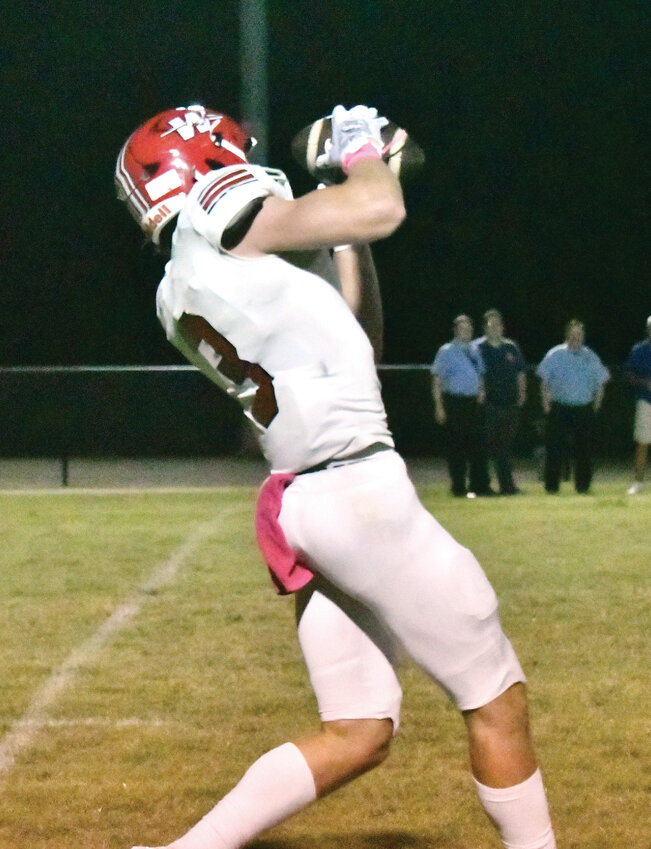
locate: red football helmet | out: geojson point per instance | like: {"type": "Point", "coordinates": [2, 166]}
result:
{"type": "Point", "coordinates": [160, 162]}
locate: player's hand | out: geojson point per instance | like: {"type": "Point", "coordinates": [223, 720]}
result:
{"type": "Point", "coordinates": [439, 415]}
{"type": "Point", "coordinates": [355, 134]}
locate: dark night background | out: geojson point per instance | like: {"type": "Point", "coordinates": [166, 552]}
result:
{"type": "Point", "coordinates": [532, 115]}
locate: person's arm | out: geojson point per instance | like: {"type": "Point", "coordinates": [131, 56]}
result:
{"type": "Point", "coordinates": [361, 290]}
{"type": "Point", "coordinates": [481, 392]}
{"type": "Point", "coordinates": [545, 397]}
{"type": "Point", "coordinates": [437, 394]}
{"type": "Point", "coordinates": [637, 377]}
{"type": "Point", "coordinates": [367, 206]}
{"type": "Point", "coordinates": [522, 388]}
{"type": "Point", "coordinates": [602, 376]}
{"type": "Point", "coordinates": [598, 397]}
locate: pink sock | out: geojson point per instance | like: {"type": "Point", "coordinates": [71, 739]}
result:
{"type": "Point", "coordinates": [520, 813]}
{"type": "Point", "coordinates": [276, 786]}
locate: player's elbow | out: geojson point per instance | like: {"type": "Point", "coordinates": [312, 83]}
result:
{"type": "Point", "coordinates": [394, 214]}
{"type": "Point", "coordinates": [383, 214]}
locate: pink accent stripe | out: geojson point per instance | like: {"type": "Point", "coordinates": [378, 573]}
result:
{"type": "Point", "coordinates": [367, 151]}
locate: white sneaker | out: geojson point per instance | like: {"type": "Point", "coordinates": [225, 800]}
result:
{"type": "Point", "coordinates": [634, 488]}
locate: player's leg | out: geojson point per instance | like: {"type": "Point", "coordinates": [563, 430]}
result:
{"type": "Point", "coordinates": [351, 662]}
{"type": "Point", "coordinates": [506, 774]}
{"type": "Point", "coordinates": [351, 668]}
{"type": "Point", "coordinates": [433, 596]}
{"type": "Point", "coordinates": [287, 779]}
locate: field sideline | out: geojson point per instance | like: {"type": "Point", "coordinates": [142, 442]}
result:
{"type": "Point", "coordinates": [146, 662]}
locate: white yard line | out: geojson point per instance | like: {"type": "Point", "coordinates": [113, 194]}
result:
{"type": "Point", "coordinates": [23, 731]}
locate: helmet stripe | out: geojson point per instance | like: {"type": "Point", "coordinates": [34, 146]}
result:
{"type": "Point", "coordinates": [132, 194]}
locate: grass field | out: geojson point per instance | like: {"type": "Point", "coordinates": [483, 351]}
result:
{"type": "Point", "coordinates": [146, 662]}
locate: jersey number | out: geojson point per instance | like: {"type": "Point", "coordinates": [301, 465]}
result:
{"type": "Point", "coordinates": [196, 329]}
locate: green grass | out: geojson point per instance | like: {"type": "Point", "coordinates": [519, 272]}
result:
{"type": "Point", "coordinates": [160, 720]}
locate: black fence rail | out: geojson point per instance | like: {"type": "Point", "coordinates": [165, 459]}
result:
{"type": "Point", "coordinates": [165, 411]}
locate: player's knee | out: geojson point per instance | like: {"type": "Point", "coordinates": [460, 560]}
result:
{"type": "Point", "coordinates": [366, 741]}
{"type": "Point", "coordinates": [508, 713]}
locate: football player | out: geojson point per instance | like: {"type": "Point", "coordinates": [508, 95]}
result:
{"type": "Point", "coordinates": [258, 294]}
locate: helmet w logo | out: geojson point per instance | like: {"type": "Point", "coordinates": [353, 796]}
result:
{"type": "Point", "coordinates": [192, 121]}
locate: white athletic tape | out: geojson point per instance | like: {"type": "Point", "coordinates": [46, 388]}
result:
{"type": "Point", "coordinates": [23, 731]}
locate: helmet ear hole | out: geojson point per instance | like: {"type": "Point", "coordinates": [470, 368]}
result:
{"type": "Point", "coordinates": [214, 164]}
{"type": "Point", "coordinates": [150, 169]}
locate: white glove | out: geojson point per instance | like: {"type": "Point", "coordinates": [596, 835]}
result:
{"type": "Point", "coordinates": [352, 130]}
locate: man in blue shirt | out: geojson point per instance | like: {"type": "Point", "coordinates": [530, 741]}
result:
{"type": "Point", "coordinates": [572, 386]}
{"type": "Point", "coordinates": [458, 391]}
{"type": "Point", "coordinates": [506, 391]}
{"type": "Point", "coordinates": [638, 371]}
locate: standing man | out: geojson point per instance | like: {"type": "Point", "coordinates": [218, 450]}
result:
{"type": "Point", "coordinates": [638, 371]}
{"type": "Point", "coordinates": [572, 387]}
{"type": "Point", "coordinates": [505, 384]}
{"type": "Point", "coordinates": [458, 391]}
{"type": "Point", "coordinates": [250, 296]}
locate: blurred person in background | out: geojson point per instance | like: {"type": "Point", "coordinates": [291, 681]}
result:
{"type": "Point", "coordinates": [572, 386]}
{"type": "Point", "coordinates": [638, 372]}
{"type": "Point", "coordinates": [505, 385]}
{"type": "Point", "coordinates": [458, 393]}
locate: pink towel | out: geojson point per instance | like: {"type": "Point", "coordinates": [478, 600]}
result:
{"type": "Point", "coordinates": [287, 571]}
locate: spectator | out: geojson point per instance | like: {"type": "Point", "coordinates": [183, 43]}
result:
{"type": "Point", "coordinates": [458, 390]}
{"type": "Point", "coordinates": [638, 371]}
{"type": "Point", "coordinates": [572, 386]}
{"type": "Point", "coordinates": [505, 385]}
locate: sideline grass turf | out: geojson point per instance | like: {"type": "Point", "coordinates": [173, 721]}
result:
{"type": "Point", "coordinates": [163, 718]}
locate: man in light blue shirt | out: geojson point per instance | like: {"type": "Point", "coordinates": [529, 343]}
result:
{"type": "Point", "coordinates": [572, 386]}
{"type": "Point", "coordinates": [458, 391]}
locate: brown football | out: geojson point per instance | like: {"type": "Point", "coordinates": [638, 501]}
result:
{"type": "Point", "coordinates": [401, 153]}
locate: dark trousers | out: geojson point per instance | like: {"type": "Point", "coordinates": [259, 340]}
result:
{"type": "Point", "coordinates": [501, 427]}
{"type": "Point", "coordinates": [466, 456]}
{"type": "Point", "coordinates": [569, 434]}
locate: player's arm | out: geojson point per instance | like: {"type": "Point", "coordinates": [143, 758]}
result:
{"type": "Point", "coordinates": [361, 290]}
{"type": "Point", "coordinates": [366, 207]}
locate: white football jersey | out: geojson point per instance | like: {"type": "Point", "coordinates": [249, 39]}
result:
{"type": "Point", "coordinates": [285, 334]}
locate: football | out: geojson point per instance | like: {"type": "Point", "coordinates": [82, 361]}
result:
{"type": "Point", "coordinates": [402, 154]}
